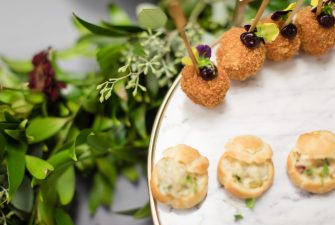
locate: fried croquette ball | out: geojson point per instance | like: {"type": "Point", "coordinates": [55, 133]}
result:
{"type": "Point", "coordinates": [206, 93]}
{"type": "Point", "coordinates": [236, 59]}
{"type": "Point", "coordinates": [315, 39]}
{"type": "Point", "coordinates": [281, 48]}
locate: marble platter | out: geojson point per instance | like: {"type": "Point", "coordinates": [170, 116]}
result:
{"type": "Point", "coordinates": [281, 102]}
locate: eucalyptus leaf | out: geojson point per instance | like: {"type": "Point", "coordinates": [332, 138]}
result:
{"type": "Point", "coordinates": [151, 18]}
{"type": "Point", "coordinates": [62, 218]}
{"type": "Point", "coordinates": [65, 186]}
{"type": "Point", "coordinates": [15, 166]}
{"type": "Point", "coordinates": [23, 199]}
{"type": "Point", "coordinates": [37, 167]}
{"type": "Point", "coordinates": [40, 129]}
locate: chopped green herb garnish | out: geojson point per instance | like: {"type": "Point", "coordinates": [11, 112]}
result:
{"type": "Point", "coordinates": [193, 181]}
{"type": "Point", "coordinates": [325, 168]}
{"type": "Point", "coordinates": [238, 217]}
{"type": "Point", "coordinates": [238, 178]}
{"type": "Point", "coordinates": [250, 203]}
{"type": "Point", "coordinates": [309, 172]}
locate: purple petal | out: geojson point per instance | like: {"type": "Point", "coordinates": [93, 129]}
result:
{"type": "Point", "coordinates": [204, 51]}
{"type": "Point", "coordinates": [247, 27]}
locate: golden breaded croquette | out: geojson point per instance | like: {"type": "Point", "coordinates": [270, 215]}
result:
{"type": "Point", "coordinates": [206, 93]}
{"type": "Point", "coordinates": [236, 59]}
{"type": "Point", "coordinates": [315, 39]}
{"type": "Point", "coordinates": [282, 48]}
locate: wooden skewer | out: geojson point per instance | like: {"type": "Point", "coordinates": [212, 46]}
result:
{"type": "Point", "coordinates": [258, 15]}
{"type": "Point", "coordinates": [319, 7]}
{"type": "Point", "coordinates": [179, 18]}
{"type": "Point", "coordinates": [296, 9]}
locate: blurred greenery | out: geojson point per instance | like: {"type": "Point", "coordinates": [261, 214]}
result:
{"type": "Point", "coordinates": [100, 127]}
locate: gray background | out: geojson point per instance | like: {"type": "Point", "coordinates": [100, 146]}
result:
{"type": "Point", "coordinates": [28, 26]}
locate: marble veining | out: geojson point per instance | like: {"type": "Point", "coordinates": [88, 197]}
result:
{"type": "Point", "coordinates": [281, 102]}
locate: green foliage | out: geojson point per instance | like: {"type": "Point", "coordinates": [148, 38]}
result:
{"type": "Point", "coordinates": [65, 186]}
{"type": "Point", "coordinates": [15, 166]}
{"type": "Point", "coordinates": [37, 167]}
{"type": "Point", "coordinates": [40, 129]}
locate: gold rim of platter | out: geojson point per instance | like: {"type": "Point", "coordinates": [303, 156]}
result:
{"type": "Point", "coordinates": [152, 146]}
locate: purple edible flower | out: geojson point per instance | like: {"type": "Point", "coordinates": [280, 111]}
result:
{"type": "Point", "coordinates": [278, 14]}
{"type": "Point", "coordinates": [204, 51]}
{"type": "Point", "coordinates": [247, 27]}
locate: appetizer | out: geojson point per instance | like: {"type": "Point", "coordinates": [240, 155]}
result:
{"type": "Point", "coordinates": [209, 88]}
{"type": "Point", "coordinates": [180, 179]}
{"type": "Point", "coordinates": [241, 52]}
{"type": "Point", "coordinates": [246, 169]}
{"type": "Point", "coordinates": [311, 163]}
{"type": "Point", "coordinates": [316, 29]}
{"type": "Point", "coordinates": [287, 44]}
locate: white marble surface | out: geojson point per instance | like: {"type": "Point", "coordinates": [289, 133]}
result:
{"type": "Point", "coordinates": [283, 101]}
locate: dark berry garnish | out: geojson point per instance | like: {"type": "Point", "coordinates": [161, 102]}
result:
{"type": "Point", "coordinates": [325, 20]}
{"type": "Point", "coordinates": [289, 31]}
{"type": "Point", "coordinates": [208, 72]}
{"type": "Point", "coordinates": [250, 40]}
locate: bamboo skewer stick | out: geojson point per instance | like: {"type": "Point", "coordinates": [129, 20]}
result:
{"type": "Point", "coordinates": [179, 18]}
{"type": "Point", "coordinates": [296, 9]}
{"type": "Point", "coordinates": [258, 15]}
{"type": "Point", "coordinates": [319, 7]}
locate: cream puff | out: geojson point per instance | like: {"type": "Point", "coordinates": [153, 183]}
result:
{"type": "Point", "coordinates": [246, 169]}
{"type": "Point", "coordinates": [180, 178]}
{"type": "Point", "coordinates": [311, 163]}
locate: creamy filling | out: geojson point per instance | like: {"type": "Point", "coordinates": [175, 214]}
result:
{"type": "Point", "coordinates": [315, 169]}
{"type": "Point", "coordinates": [175, 180]}
{"type": "Point", "coordinates": [248, 175]}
